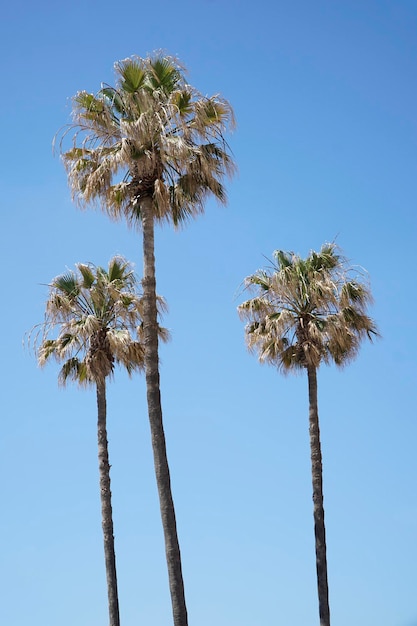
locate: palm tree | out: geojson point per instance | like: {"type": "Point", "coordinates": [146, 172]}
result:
{"type": "Point", "coordinates": [96, 313]}
{"type": "Point", "coordinates": [304, 313]}
{"type": "Point", "coordinates": [151, 149]}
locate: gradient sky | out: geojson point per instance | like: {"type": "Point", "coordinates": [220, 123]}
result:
{"type": "Point", "coordinates": [325, 99]}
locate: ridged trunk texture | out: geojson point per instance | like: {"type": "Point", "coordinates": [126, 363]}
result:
{"type": "Point", "coordinates": [317, 479]}
{"type": "Point", "coordinates": [150, 327]}
{"type": "Point", "coordinates": [106, 507]}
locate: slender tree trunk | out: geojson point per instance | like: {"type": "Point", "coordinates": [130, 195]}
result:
{"type": "Point", "coordinates": [317, 478]}
{"type": "Point", "coordinates": [150, 327]}
{"type": "Point", "coordinates": [106, 508]}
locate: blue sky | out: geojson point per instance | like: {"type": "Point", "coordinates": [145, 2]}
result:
{"type": "Point", "coordinates": [325, 99]}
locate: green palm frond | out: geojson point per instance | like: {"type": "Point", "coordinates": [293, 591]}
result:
{"type": "Point", "coordinates": [67, 284]}
{"type": "Point", "coordinates": [164, 74]}
{"type": "Point", "coordinates": [114, 101]}
{"type": "Point", "coordinates": [87, 275]}
{"type": "Point", "coordinates": [76, 371]}
{"type": "Point", "coordinates": [88, 102]}
{"type": "Point", "coordinates": [283, 259]}
{"type": "Point", "coordinates": [121, 273]}
{"type": "Point", "coordinates": [132, 75]}
{"type": "Point", "coordinates": [182, 100]}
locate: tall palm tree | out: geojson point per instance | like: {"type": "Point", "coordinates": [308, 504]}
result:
{"type": "Point", "coordinates": [96, 314]}
{"type": "Point", "coordinates": [307, 312]}
{"type": "Point", "coordinates": [151, 149]}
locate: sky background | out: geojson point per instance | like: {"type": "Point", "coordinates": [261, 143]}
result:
{"type": "Point", "coordinates": [325, 95]}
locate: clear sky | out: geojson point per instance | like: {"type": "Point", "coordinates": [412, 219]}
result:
{"type": "Point", "coordinates": [325, 99]}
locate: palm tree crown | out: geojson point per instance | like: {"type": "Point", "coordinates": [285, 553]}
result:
{"type": "Point", "coordinates": [307, 311]}
{"type": "Point", "coordinates": [157, 133]}
{"type": "Point", "coordinates": [98, 315]}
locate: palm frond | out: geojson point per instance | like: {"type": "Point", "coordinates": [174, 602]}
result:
{"type": "Point", "coordinates": [132, 75]}
{"type": "Point", "coordinates": [163, 74]}
{"type": "Point", "coordinates": [87, 275]}
{"type": "Point", "coordinates": [76, 371]}
{"type": "Point", "coordinates": [67, 284]}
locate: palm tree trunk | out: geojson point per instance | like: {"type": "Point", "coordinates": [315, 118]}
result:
{"type": "Point", "coordinates": [106, 508]}
{"type": "Point", "coordinates": [317, 478]}
{"type": "Point", "coordinates": [150, 327]}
